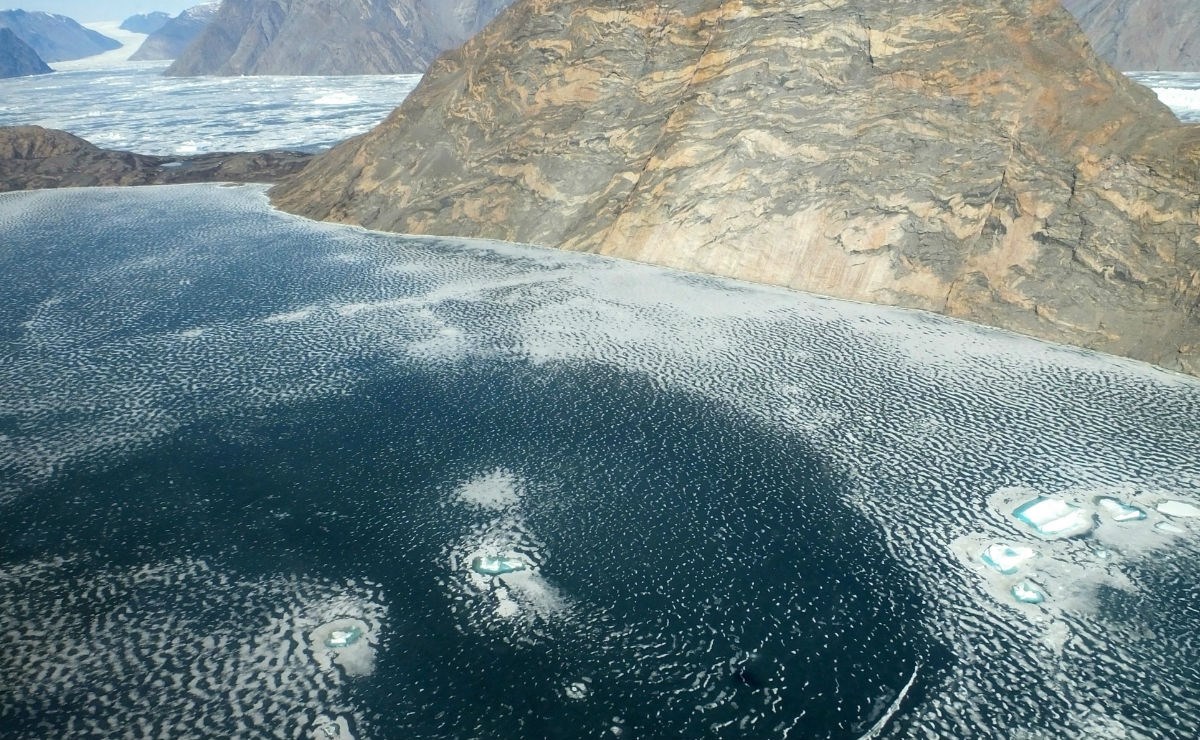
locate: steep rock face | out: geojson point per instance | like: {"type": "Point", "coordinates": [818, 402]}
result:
{"type": "Point", "coordinates": [331, 37]}
{"type": "Point", "coordinates": [974, 159]}
{"type": "Point", "coordinates": [1142, 34]}
{"type": "Point", "coordinates": [174, 37]}
{"type": "Point", "coordinates": [145, 22]}
{"type": "Point", "coordinates": [56, 38]}
{"type": "Point", "coordinates": [34, 157]}
{"type": "Point", "coordinates": [17, 59]}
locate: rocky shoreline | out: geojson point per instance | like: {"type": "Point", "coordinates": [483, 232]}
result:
{"type": "Point", "coordinates": [972, 159]}
{"type": "Point", "coordinates": [33, 157]}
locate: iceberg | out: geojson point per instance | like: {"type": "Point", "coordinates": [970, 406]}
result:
{"type": "Point", "coordinates": [496, 566]}
{"type": "Point", "coordinates": [1051, 517]}
{"type": "Point", "coordinates": [1179, 509]}
{"type": "Point", "coordinates": [1027, 592]}
{"type": "Point", "coordinates": [1006, 559]}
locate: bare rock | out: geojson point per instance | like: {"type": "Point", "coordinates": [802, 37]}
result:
{"type": "Point", "coordinates": [973, 159]}
{"type": "Point", "coordinates": [34, 157]}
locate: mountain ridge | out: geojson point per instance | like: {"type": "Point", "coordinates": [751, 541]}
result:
{"type": "Point", "coordinates": [330, 37]}
{"type": "Point", "coordinates": [17, 59]}
{"type": "Point", "coordinates": [176, 34]}
{"type": "Point", "coordinates": [56, 38]}
{"type": "Point", "coordinates": [976, 160]}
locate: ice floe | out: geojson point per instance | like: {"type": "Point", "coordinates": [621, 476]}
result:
{"type": "Point", "coordinates": [1052, 517]}
{"type": "Point", "coordinates": [1006, 559]}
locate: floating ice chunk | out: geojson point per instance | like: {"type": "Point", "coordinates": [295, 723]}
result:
{"type": "Point", "coordinates": [341, 642]}
{"type": "Point", "coordinates": [1120, 511]}
{"type": "Point", "coordinates": [1170, 528]}
{"type": "Point", "coordinates": [331, 728]}
{"type": "Point", "coordinates": [1005, 558]}
{"type": "Point", "coordinates": [1052, 517]}
{"type": "Point", "coordinates": [1179, 509]}
{"type": "Point", "coordinates": [578, 690]}
{"type": "Point", "coordinates": [496, 566]}
{"type": "Point", "coordinates": [1027, 592]}
{"type": "Point", "coordinates": [343, 638]}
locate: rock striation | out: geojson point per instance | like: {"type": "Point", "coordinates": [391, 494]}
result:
{"type": "Point", "coordinates": [331, 37]}
{"type": "Point", "coordinates": [174, 37]}
{"type": "Point", "coordinates": [1142, 35]}
{"type": "Point", "coordinates": [145, 22]}
{"type": "Point", "coordinates": [973, 159]}
{"type": "Point", "coordinates": [56, 38]}
{"type": "Point", "coordinates": [17, 59]}
{"type": "Point", "coordinates": [33, 157]}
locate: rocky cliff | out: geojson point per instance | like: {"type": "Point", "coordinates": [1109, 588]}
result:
{"type": "Point", "coordinates": [973, 159]}
{"type": "Point", "coordinates": [174, 37]}
{"type": "Point", "coordinates": [145, 22]}
{"type": "Point", "coordinates": [331, 37]}
{"type": "Point", "coordinates": [55, 38]}
{"type": "Point", "coordinates": [34, 157]}
{"type": "Point", "coordinates": [17, 59]}
{"type": "Point", "coordinates": [1142, 34]}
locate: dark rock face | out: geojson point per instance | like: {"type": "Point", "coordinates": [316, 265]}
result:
{"type": "Point", "coordinates": [170, 41]}
{"type": "Point", "coordinates": [1142, 35]}
{"type": "Point", "coordinates": [145, 22]}
{"type": "Point", "coordinates": [17, 59]}
{"type": "Point", "coordinates": [34, 157]}
{"type": "Point", "coordinates": [331, 37]}
{"type": "Point", "coordinates": [56, 38]}
{"type": "Point", "coordinates": [973, 159]}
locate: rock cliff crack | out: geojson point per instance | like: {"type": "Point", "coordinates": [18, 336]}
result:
{"type": "Point", "coordinates": [666, 125]}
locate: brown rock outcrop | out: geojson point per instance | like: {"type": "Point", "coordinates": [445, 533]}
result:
{"type": "Point", "coordinates": [1142, 35]}
{"type": "Point", "coordinates": [34, 157]}
{"type": "Point", "coordinates": [974, 159]}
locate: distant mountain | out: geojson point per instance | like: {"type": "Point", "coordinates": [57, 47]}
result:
{"type": "Point", "coordinates": [969, 157]}
{"type": "Point", "coordinates": [1142, 34]}
{"type": "Point", "coordinates": [145, 22]}
{"type": "Point", "coordinates": [56, 38]}
{"type": "Point", "coordinates": [17, 59]}
{"type": "Point", "coordinates": [170, 41]}
{"type": "Point", "coordinates": [332, 37]}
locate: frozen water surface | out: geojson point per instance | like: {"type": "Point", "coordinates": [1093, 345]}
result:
{"type": "Point", "coordinates": [131, 106]}
{"type": "Point", "coordinates": [231, 439]}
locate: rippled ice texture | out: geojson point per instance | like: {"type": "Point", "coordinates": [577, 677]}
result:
{"type": "Point", "coordinates": [132, 107]}
{"type": "Point", "coordinates": [746, 512]}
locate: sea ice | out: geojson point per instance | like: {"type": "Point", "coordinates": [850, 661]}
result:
{"type": "Point", "coordinates": [1120, 511]}
{"type": "Point", "coordinates": [496, 566]}
{"type": "Point", "coordinates": [1027, 592]}
{"type": "Point", "coordinates": [1006, 559]}
{"type": "Point", "coordinates": [1051, 517]}
{"type": "Point", "coordinates": [1179, 509]}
